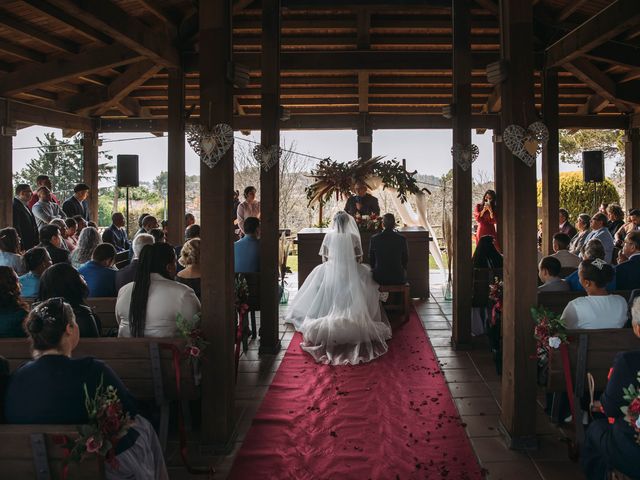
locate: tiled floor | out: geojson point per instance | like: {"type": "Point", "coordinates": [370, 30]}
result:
{"type": "Point", "coordinates": [474, 386]}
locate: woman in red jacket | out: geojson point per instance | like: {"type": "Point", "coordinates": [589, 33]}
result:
{"type": "Point", "coordinates": [487, 218]}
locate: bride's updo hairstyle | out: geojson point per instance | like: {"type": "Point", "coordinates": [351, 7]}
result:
{"type": "Point", "coordinates": [47, 322]}
{"type": "Point", "coordinates": [340, 221]}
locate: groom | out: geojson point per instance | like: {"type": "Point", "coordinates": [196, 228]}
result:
{"type": "Point", "coordinates": [389, 254]}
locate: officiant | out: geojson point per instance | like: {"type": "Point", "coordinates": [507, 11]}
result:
{"type": "Point", "coordinates": [362, 202]}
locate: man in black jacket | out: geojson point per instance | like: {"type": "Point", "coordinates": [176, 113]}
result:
{"type": "Point", "coordinates": [628, 268]}
{"type": "Point", "coordinates": [389, 254]}
{"type": "Point", "coordinates": [23, 220]}
{"type": "Point", "coordinates": [76, 204]}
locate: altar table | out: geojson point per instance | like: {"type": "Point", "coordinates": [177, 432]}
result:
{"type": "Point", "coordinates": [310, 240]}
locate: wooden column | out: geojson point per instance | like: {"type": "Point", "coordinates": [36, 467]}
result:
{"type": "Point", "coordinates": [270, 180]}
{"type": "Point", "coordinates": [365, 137]}
{"type": "Point", "coordinates": [632, 169]}
{"type": "Point", "coordinates": [175, 164]}
{"type": "Point", "coordinates": [462, 267]}
{"type": "Point", "coordinates": [519, 213]}
{"type": "Point", "coordinates": [216, 184]}
{"type": "Point", "coordinates": [90, 170]}
{"type": "Point", "coordinates": [550, 161]}
{"type": "Point", "coordinates": [498, 176]}
{"type": "Point", "coordinates": [6, 168]}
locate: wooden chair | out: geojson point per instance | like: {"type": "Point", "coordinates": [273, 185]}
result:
{"type": "Point", "coordinates": [403, 305]}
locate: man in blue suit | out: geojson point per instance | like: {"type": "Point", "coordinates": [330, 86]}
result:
{"type": "Point", "coordinates": [247, 249]}
{"type": "Point", "coordinates": [628, 271]}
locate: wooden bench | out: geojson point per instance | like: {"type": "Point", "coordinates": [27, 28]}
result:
{"type": "Point", "coordinates": [557, 301]}
{"type": "Point", "coordinates": [122, 259]}
{"type": "Point", "coordinates": [103, 307]}
{"type": "Point", "coordinates": [403, 305]}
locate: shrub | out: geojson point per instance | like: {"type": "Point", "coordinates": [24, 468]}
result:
{"type": "Point", "coordinates": [578, 197]}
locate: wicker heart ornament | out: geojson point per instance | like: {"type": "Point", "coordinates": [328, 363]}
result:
{"type": "Point", "coordinates": [267, 157]}
{"type": "Point", "coordinates": [465, 155]}
{"type": "Point", "coordinates": [526, 144]}
{"type": "Point", "coordinates": [210, 144]}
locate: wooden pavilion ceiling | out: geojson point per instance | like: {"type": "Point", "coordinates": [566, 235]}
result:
{"type": "Point", "coordinates": [108, 58]}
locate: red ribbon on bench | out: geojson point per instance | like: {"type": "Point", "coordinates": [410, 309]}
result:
{"type": "Point", "coordinates": [184, 450]}
{"type": "Point", "coordinates": [566, 366]}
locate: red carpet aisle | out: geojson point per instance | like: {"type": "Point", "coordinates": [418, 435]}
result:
{"type": "Point", "coordinates": [390, 419]}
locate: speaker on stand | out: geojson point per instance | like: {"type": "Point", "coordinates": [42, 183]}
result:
{"type": "Point", "coordinates": [593, 171]}
{"type": "Point", "coordinates": [127, 176]}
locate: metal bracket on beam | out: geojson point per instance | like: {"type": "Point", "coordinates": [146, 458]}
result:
{"type": "Point", "coordinates": [96, 141]}
{"type": "Point", "coordinates": [238, 74]}
{"type": "Point", "coordinates": [497, 72]}
{"type": "Point", "coordinates": [365, 139]}
{"type": "Point", "coordinates": [449, 111]}
{"type": "Point", "coordinates": [285, 114]}
{"type": "Point", "coordinates": [6, 131]}
{"type": "Point", "coordinates": [496, 138]}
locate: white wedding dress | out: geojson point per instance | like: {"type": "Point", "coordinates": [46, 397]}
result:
{"type": "Point", "coordinates": [337, 309]}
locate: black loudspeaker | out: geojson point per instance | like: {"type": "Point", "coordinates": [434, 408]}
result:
{"type": "Point", "coordinates": [593, 166]}
{"type": "Point", "coordinates": [127, 172]}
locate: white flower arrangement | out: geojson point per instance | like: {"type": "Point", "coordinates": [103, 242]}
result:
{"type": "Point", "coordinates": [554, 342]}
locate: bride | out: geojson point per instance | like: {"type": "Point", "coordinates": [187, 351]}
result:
{"type": "Point", "coordinates": [337, 309]}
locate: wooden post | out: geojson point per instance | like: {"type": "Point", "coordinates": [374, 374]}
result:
{"type": "Point", "coordinates": [632, 169]}
{"type": "Point", "coordinates": [90, 170]}
{"type": "Point", "coordinates": [175, 167]}
{"type": "Point", "coordinates": [270, 180]}
{"type": "Point", "coordinates": [365, 137]}
{"type": "Point", "coordinates": [462, 267]}
{"type": "Point", "coordinates": [550, 161]}
{"type": "Point", "coordinates": [498, 178]}
{"type": "Point", "coordinates": [6, 168]}
{"type": "Point", "coordinates": [216, 184]}
{"type": "Point", "coordinates": [519, 212]}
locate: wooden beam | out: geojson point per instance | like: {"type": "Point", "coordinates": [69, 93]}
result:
{"type": "Point", "coordinates": [569, 9]}
{"type": "Point", "coordinates": [616, 54]}
{"type": "Point", "coordinates": [58, 70]}
{"type": "Point", "coordinates": [37, 115]}
{"type": "Point", "coordinates": [270, 180]}
{"type": "Point", "coordinates": [593, 121]}
{"type": "Point", "coordinates": [24, 28]}
{"type": "Point", "coordinates": [162, 14]}
{"type": "Point", "coordinates": [629, 91]}
{"type": "Point", "coordinates": [364, 136]}
{"type": "Point", "coordinates": [239, 5]}
{"type": "Point", "coordinates": [364, 29]}
{"type": "Point", "coordinates": [176, 158]}
{"type": "Point", "coordinates": [110, 19]}
{"type": "Point", "coordinates": [520, 226]}
{"type": "Point", "coordinates": [21, 52]}
{"type": "Point", "coordinates": [600, 82]}
{"type": "Point", "coordinates": [606, 25]}
{"type": "Point", "coordinates": [489, 5]}
{"type": "Point", "coordinates": [216, 188]}
{"type": "Point", "coordinates": [62, 16]}
{"type": "Point", "coordinates": [550, 162]}
{"type": "Point", "coordinates": [6, 167]}
{"type": "Point", "coordinates": [90, 170]}
{"type": "Point", "coordinates": [462, 267]}
{"type": "Point", "coordinates": [632, 168]}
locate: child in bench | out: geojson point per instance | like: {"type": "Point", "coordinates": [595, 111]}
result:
{"type": "Point", "coordinates": [50, 390]}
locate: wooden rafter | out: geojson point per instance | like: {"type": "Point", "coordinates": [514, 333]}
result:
{"type": "Point", "coordinates": [609, 23]}
{"type": "Point", "coordinates": [594, 104]}
{"type": "Point", "coordinates": [29, 30]}
{"type": "Point", "coordinates": [489, 5]}
{"type": "Point", "coordinates": [165, 16]}
{"type": "Point", "coordinates": [21, 52]}
{"type": "Point", "coordinates": [602, 84]}
{"type": "Point", "coordinates": [616, 54]}
{"type": "Point", "coordinates": [58, 70]}
{"type": "Point", "coordinates": [117, 23]}
{"type": "Point", "coordinates": [239, 5]}
{"type": "Point", "coordinates": [568, 10]}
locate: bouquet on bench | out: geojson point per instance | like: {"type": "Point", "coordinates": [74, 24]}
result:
{"type": "Point", "coordinates": [550, 333]}
{"type": "Point", "coordinates": [632, 410]}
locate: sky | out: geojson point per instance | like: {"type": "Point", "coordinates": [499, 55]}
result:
{"type": "Point", "coordinates": [427, 151]}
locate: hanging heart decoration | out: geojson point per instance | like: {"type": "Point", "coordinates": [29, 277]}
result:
{"type": "Point", "coordinates": [526, 144]}
{"type": "Point", "coordinates": [210, 144]}
{"type": "Point", "coordinates": [267, 157]}
{"type": "Point", "coordinates": [465, 155]}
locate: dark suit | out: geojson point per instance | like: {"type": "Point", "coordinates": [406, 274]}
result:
{"type": "Point", "coordinates": [369, 205]}
{"type": "Point", "coordinates": [628, 274]}
{"type": "Point", "coordinates": [73, 207]}
{"type": "Point", "coordinates": [388, 257]}
{"type": "Point", "coordinates": [58, 255]}
{"type": "Point", "coordinates": [25, 224]}
{"type": "Point", "coordinates": [127, 274]}
{"type": "Point", "coordinates": [568, 229]}
{"type": "Point", "coordinates": [116, 237]}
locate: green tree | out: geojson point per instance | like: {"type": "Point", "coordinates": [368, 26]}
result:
{"type": "Point", "coordinates": [62, 161]}
{"type": "Point", "coordinates": [609, 141]}
{"type": "Point", "coordinates": [580, 197]}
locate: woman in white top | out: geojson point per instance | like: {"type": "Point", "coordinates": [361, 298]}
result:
{"type": "Point", "coordinates": [10, 250]}
{"type": "Point", "coordinates": [249, 208]}
{"type": "Point", "coordinates": [150, 305]}
{"type": "Point", "coordinates": [598, 309]}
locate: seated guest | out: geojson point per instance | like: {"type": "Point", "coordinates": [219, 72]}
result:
{"type": "Point", "coordinates": [51, 390]}
{"type": "Point", "coordinates": [87, 242]}
{"type": "Point", "coordinates": [99, 272]}
{"type": "Point", "coordinates": [192, 231]}
{"type": "Point", "coordinates": [71, 239]}
{"type": "Point", "coordinates": [189, 219]}
{"type": "Point", "coordinates": [62, 226]}
{"type": "Point", "coordinates": [128, 273]}
{"type": "Point", "coordinates": [147, 223]}
{"type": "Point", "coordinates": [628, 268]}
{"type": "Point", "coordinates": [564, 225]}
{"type": "Point", "coordinates": [560, 247]}
{"type": "Point", "coordinates": [149, 306]}
{"type": "Point", "coordinates": [116, 234]}
{"type": "Point", "coordinates": [62, 280]}
{"type": "Point", "coordinates": [247, 249]}
{"type": "Point", "coordinates": [13, 309]}
{"type": "Point", "coordinates": [190, 260]}
{"type": "Point", "coordinates": [610, 442]}
{"type": "Point", "coordinates": [50, 240]}
{"type": "Point", "coordinates": [76, 204]}
{"type": "Point", "coordinates": [549, 271]}
{"type": "Point", "coordinates": [92, 224]}
{"type": "Point", "coordinates": [486, 254]}
{"type": "Point", "coordinates": [600, 231]}
{"type": "Point", "coordinates": [615, 215]}
{"type": "Point", "coordinates": [46, 209]}
{"type": "Point", "coordinates": [578, 241]}
{"type": "Point", "coordinates": [389, 254]}
{"type": "Point", "coordinates": [158, 235]}
{"type": "Point", "coordinates": [593, 249]}
{"type": "Point", "coordinates": [36, 260]}
{"type": "Point", "coordinates": [10, 250]}
{"type": "Point", "coordinates": [598, 309]}
{"type": "Point", "coordinates": [81, 224]}
{"type": "Point", "coordinates": [23, 220]}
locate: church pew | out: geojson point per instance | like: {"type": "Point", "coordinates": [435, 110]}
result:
{"type": "Point", "coordinates": [557, 301]}
{"type": "Point", "coordinates": [103, 307]}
